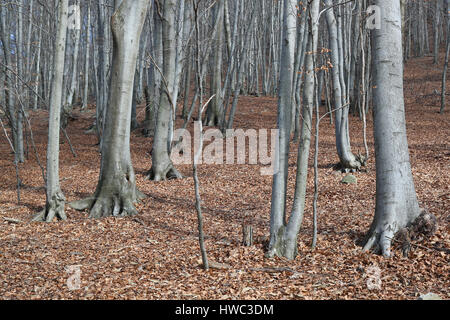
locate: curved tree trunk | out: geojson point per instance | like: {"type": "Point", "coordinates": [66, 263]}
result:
{"type": "Point", "coordinates": [162, 166]}
{"type": "Point", "coordinates": [283, 234]}
{"type": "Point", "coordinates": [346, 157]}
{"type": "Point", "coordinates": [396, 200]}
{"type": "Point", "coordinates": [54, 206]}
{"type": "Point", "coordinates": [116, 189]}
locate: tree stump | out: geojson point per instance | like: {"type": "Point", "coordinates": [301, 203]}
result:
{"type": "Point", "coordinates": [247, 233]}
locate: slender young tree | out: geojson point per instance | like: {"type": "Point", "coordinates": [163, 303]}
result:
{"type": "Point", "coordinates": [116, 190]}
{"type": "Point", "coordinates": [283, 232]}
{"type": "Point", "coordinates": [55, 201]}
{"type": "Point", "coordinates": [447, 52]}
{"type": "Point", "coordinates": [279, 185]}
{"type": "Point", "coordinates": [396, 200]}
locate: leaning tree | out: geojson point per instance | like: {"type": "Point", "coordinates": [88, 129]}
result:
{"type": "Point", "coordinates": [116, 190]}
{"type": "Point", "coordinates": [396, 200]}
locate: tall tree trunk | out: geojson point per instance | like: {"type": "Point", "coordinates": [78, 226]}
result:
{"type": "Point", "coordinates": [437, 22]}
{"type": "Point", "coordinates": [54, 206]}
{"type": "Point", "coordinates": [19, 154]}
{"type": "Point", "coordinates": [116, 190]}
{"type": "Point", "coordinates": [162, 166]}
{"type": "Point", "coordinates": [396, 200]}
{"type": "Point", "coordinates": [214, 111]}
{"type": "Point", "coordinates": [277, 243]}
{"type": "Point", "coordinates": [74, 77]}
{"type": "Point", "coordinates": [447, 52]}
{"type": "Point", "coordinates": [87, 61]}
{"type": "Point", "coordinates": [10, 98]}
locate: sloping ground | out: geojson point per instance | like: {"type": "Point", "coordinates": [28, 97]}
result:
{"type": "Point", "coordinates": [155, 255]}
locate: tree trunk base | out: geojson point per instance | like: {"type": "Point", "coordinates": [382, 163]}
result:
{"type": "Point", "coordinates": [382, 237]}
{"type": "Point", "coordinates": [108, 204]}
{"type": "Point", "coordinates": [351, 166]}
{"type": "Point", "coordinates": [53, 209]}
{"type": "Point", "coordinates": [168, 174]}
{"type": "Point", "coordinates": [279, 244]}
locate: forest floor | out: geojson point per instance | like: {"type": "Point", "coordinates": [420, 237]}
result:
{"type": "Point", "coordinates": [155, 255]}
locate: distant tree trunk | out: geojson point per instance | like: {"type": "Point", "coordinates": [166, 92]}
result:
{"type": "Point", "coordinates": [103, 65]}
{"type": "Point", "coordinates": [74, 77]}
{"type": "Point", "coordinates": [162, 166]}
{"type": "Point", "coordinates": [346, 157]}
{"type": "Point", "coordinates": [150, 113]}
{"type": "Point", "coordinates": [9, 95]}
{"type": "Point", "coordinates": [116, 190]}
{"type": "Point", "coordinates": [87, 61]}
{"type": "Point", "coordinates": [54, 206]}
{"type": "Point", "coordinates": [396, 200]}
{"type": "Point", "coordinates": [437, 21]}
{"type": "Point", "coordinates": [19, 154]}
{"type": "Point", "coordinates": [38, 61]}
{"type": "Point", "coordinates": [447, 52]}
{"type": "Point", "coordinates": [156, 78]}
{"type": "Point", "coordinates": [214, 111]}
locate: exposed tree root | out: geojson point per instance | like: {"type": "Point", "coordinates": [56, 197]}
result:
{"type": "Point", "coordinates": [424, 226]}
{"type": "Point", "coordinates": [352, 165]}
{"type": "Point", "coordinates": [54, 208]}
{"type": "Point", "coordinates": [107, 203]}
{"type": "Point", "coordinates": [169, 173]}
{"type": "Point", "coordinates": [381, 239]}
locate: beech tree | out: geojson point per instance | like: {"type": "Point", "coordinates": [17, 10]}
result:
{"type": "Point", "coordinates": [162, 166]}
{"type": "Point", "coordinates": [347, 159]}
{"type": "Point", "coordinates": [283, 232]}
{"type": "Point", "coordinates": [116, 190]}
{"type": "Point", "coordinates": [396, 201]}
{"type": "Point", "coordinates": [55, 201]}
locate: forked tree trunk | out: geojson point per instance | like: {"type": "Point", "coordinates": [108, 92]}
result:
{"type": "Point", "coordinates": [309, 100]}
{"type": "Point", "coordinates": [279, 184]}
{"type": "Point", "coordinates": [54, 206]}
{"type": "Point", "coordinates": [396, 200]}
{"type": "Point", "coordinates": [116, 190]}
{"type": "Point", "coordinates": [284, 234]}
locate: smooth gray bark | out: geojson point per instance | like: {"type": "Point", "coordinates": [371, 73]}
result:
{"type": "Point", "coordinates": [162, 166]}
{"type": "Point", "coordinates": [87, 60]}
{"type": "Point", "coordinates": [116, 190]}
{"type": "Point", "coordinates": [396, 200]}
{"type": "Point", "coordinates": [283, 235]}
{"type": "Point", "coordinates": [55, 200]}
{"type": "Point", "coordinates": [346, 157]}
